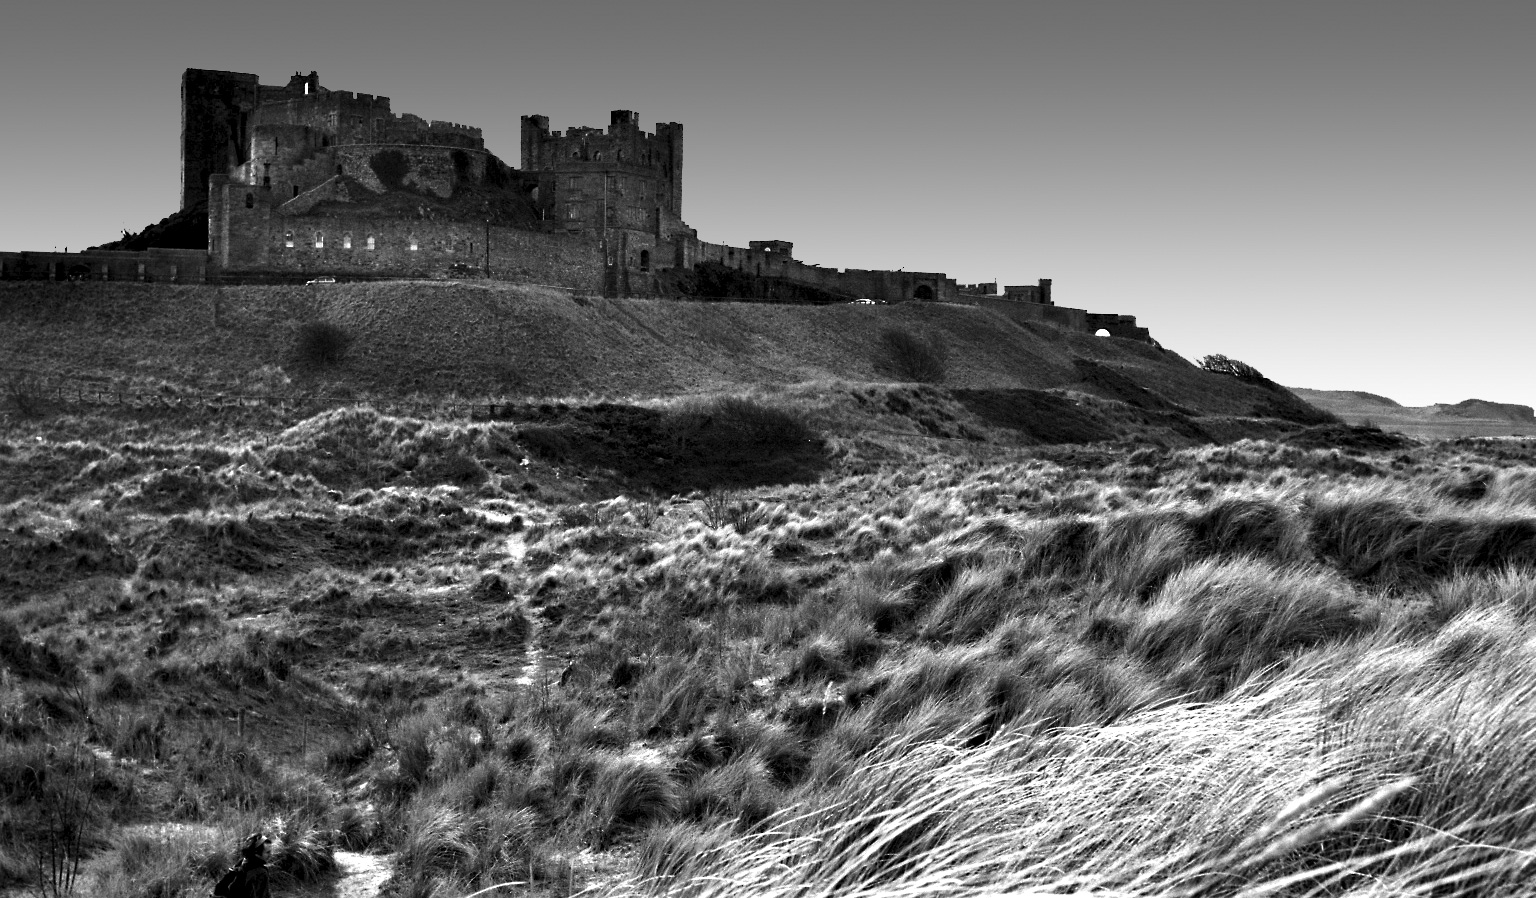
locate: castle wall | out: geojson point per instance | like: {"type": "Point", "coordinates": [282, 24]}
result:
{"type": "Point", "coordinates": [339, 245]}
{"type": "Point", "coordinates": [438, 170]}
{"type": "Point", "coordinates": [1123, 326]}
{"type": "Point", "coordinates": [1080, 320]}
{"type": "Point", "coordinates": [764, 259]}
{"type": "Point", "coordinates": [1035, 312]}
{"type": "Point", "coordinates": [174, 266]}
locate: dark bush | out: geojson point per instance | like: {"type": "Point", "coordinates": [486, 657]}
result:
{"type": "Point", "coordinates": [910, 358]}
{"type": "Point", "coordinates": [1220, 364]}
{"type": "Point", "coordinates": [321, 343]}
{"type": "Point", "coordinates": [25, 396]}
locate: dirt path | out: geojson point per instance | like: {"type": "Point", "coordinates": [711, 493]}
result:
{"type": "Point", "coordinates": [361, 874]}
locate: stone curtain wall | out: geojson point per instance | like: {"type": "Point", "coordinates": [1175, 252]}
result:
{"type": "Point", "coordinates": [890, 286]}
{"type": "Point", "coordinates": [1034, 312]}
{"type": "Point", "coordinates": [172, 266]}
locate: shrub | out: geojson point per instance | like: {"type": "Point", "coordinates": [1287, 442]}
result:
{"type": "Point", "coordinates": [1220, 364]}
{"type": "Point", "coordinates": [911, 358]}
{"type": "Point", "coordinates": [674, 852]}
{"type": "Point", "coordinates": [25, 397]}
{"type": "Point", "coordinates": [321, 343]}
{"type": "Point", "coordinates": [630, 794]}
{"type": "Point", "coordinates": [738, 427]}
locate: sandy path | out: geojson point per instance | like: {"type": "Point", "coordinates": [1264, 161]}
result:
{"type": "Point", "coordinates": [361, 874]}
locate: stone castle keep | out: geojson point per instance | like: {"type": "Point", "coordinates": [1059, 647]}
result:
{"type": "Point", "coordinates": [300, 181]}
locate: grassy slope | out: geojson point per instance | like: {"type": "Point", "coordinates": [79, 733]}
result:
{"type": "Point", "coordinates": [500, 340]}
{"type": "Point", "coordinates": [710, 662]}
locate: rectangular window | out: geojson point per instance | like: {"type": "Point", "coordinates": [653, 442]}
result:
{"type": "Point", "coordinates": [370, 241]}
{"type": "Point", "coordinates": [319, 240]}
{"type": "Point", "coordinates": [413, 244]}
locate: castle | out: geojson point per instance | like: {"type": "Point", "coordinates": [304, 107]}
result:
{"type": "Point", "coordinates": [300, 181]}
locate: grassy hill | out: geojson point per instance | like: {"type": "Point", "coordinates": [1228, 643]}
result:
{"type": "Point", "coordinates": [472, 339]}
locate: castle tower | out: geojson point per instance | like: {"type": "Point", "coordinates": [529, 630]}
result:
{"type": "Point", "coordinates": [216, 109]}
{"type": "Point", "coordinates": [671, 133]}
{"type": "Point", "coordinates": [592, 180]}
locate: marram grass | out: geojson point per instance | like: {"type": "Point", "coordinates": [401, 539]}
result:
{"type": "Point", "coordinates": [1393, 769]}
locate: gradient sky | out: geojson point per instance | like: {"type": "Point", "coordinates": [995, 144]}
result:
{"type": "Point", "coordinates": [1339, 193]}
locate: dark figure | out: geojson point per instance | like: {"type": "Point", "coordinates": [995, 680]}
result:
{"type": "Point", "coordinates": [248, 879]}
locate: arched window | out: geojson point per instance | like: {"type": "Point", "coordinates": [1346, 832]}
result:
{"type": "Point", "coordinates": [413, 245]}
{"type": "Point", "coordinates": [338, 170]}
{"type": "Point", "coordinates": [346, 241]}
{"type": "Point", "coordinates": [1102, 332]}
{"type": "Point", "coordinates": [319, 240]}
{"type": "Point", "coordinates": [250, 201]}
{"type": "Point", "coordinates": [288, 239]}
{"type": "Point", "coordinates": [923, 291]}
{"type": "Point", "coordinates": [619, 155]}
{"type": "Point", "coordinates": [597, 156]}
{"type": "Point", "coordinates": [369, 244]}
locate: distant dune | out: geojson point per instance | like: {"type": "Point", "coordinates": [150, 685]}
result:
{"type": "Point", "coordinates": [1482, 409]}
{"type": "Point", "coordinates": [1468, 418]}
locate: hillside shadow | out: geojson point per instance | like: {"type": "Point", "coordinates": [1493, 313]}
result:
{"type": "Point", "coordinates": [718, 444]}
{"type": "Point", "coordinates": [1043, 417]}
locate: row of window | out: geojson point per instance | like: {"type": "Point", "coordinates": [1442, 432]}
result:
{"type": "Point", "coordinates": [617, 184]}
{"type": "Point", "coordinates": [645, 158]}
{"type": "Point", "coordinates": [346, 241]}
{"type": "Point", "coordinates": [370, 243]}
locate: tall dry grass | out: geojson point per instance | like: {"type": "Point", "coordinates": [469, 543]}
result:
{"type": "Point", "coordinates": [1399, 767]}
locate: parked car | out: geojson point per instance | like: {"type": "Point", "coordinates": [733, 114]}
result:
{"type": "Point", "coordinates": [324, 280]}
{"type": "Point", "coordinates": [862, 301]}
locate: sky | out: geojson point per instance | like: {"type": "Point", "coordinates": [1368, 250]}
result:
{"type": "Point", "coordinates": [1337, 192]}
